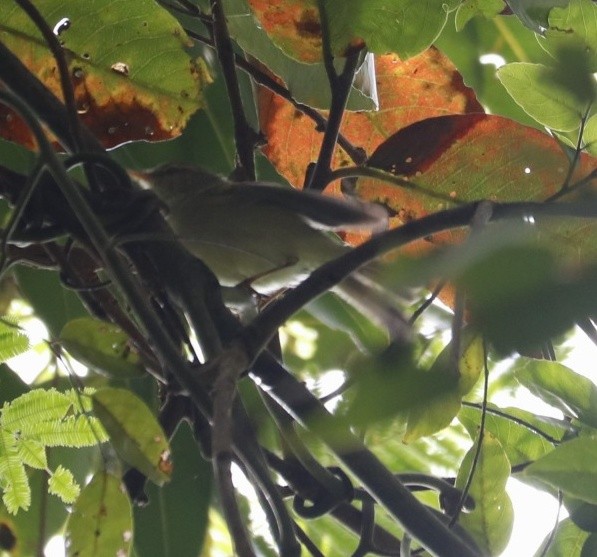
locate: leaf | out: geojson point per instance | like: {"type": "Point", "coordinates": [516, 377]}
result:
{"type": "Point", "coordinates": [520, 443]}
{"type": "Point", "coordinates": [534, 13]}
{"type": "Point", "coordinates": [62, 484]}
{"type": "Point", "coordinates": [521, 297]}
{"type": "Point", "coordinates": [589, 548]}
{"type": "Point", "coordinates": [573, 28]}
{"type": "Point", "coordinates": [567, 541]}
{"type": "Point", "coordinates": [570, 468]}
{"type": "Point", "coordinates": [541, 92]}
{"type": "Point", "coordinates": [12, 341]}
{"type": "Point", "coordinates": [132, 76]}
{"type": "Point", "coordinates": [101, 522]}
{"type": "Point", "coordinates": [477, 156]}
{"type": "Point", "coordinates": [409, 91]}
{"type": "Point", "coordinates": [438, 413]}
{"type": "Point", "coordinates": [102, 346]}
{"type": "Point", "coordinates": [558, 385]}
{"type": "Point", "coordinates": [165, 526]}
{"type": "Point", "coordinates": [134, 432]}
{"type": "Point", "coordinates": [490, 523]}
{"type": "Point", "coordinates": [583, 514]}
{"type": "Point", "coordinates": [471, 8]}
{"type": "Point", "coordinates": [405, 27]}
{"type": "Point", "coordinates": [307, 82]}
{"type": "Point", "coordinates": [32, 453]}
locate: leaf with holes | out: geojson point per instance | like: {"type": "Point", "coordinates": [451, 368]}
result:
{"type": "Point", "coordinates": [132, 77]}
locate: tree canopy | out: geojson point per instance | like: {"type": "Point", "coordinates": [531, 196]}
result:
{"type": "Point", "coordinates": [397, 199]}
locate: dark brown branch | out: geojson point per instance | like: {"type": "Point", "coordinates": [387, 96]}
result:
{"type": "Point", "coordinates": [245, 136]}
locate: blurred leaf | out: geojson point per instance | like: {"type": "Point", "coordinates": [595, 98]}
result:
{"type": "Point", "coordinates": [583, 514]}
{"type": "Point", "coordinates": [533, 13]}
{"type": "Point", "coordinates": [119, 95]}
{"type": "Point", "coordinates": [53, 303]}
{"type": "Point", "coordinates": [490, 523]}
{"type": "Point", "coordinates": [589, 548]}
{"type": "Point", "coordinates": [391, 383]}
{"type": "Point", "coordinates": [101, 522]}
{"type": "Point", "coordinates": [471, 8]}
{"type": "Point", "coordinates": [438, 413]}
{"type": "Point", "coordinates": [559, 386]}
{"type": "Point", "coordinates": [567, 542]}
{"type": "Point", "coordinates": [520, 298]}
{"type": "Point", "coordinates": [570, 468]}
{"type": "Point", "coordinates": [102, 346]}
{"type": "Point", "coordinates": [134, 432]}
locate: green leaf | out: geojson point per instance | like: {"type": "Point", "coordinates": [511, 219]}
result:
{"type": "Point", "coordinates": [134, 432]}
{"type": "Point", "coordinates": [520, 443]}
{"type": "Point", "coordinates": [573, 28]}
{"type": "Point", "coordinates": [533, 13]}
{"type": "Point", "coordinates": [436, 414]}
{"type": "Point", "coordinates": [570, 468]}
{"type": "Point", "coordinates": [583, 514]}
{"type": "Point", "coordinates": [32, 453]}
{"type": "Point", "coordinates": [559, 386]}
{"type": "Point", "coordinates": [14, 482]}
{"type": "Point", "coordinates": [471, 8]}
{"type": "Point", "coordinates": [542, 94]}
{"type": "Point", "coordinates": [101, 522]}
{"type": "Point", "coordinates": [567, 541]}
{"type": "Point", "coordinates": [405, 27]}
{"type": "Point", "coordinates": [101, 346]}
{"type": "Point", "coordinates": [391, 383]}
{"type": "Point", "coordinates": [165, 526]}
{"type": "Point", "coordinates": [62, 484]}
{"type": "Point", "coordinates": [12, 341]}
{"type": "Point", "coordinates": [589, 548]}
{"type": "Point", "coordinates": [41, 415]}
{"type": "Point", "coordinates": [490, 523]}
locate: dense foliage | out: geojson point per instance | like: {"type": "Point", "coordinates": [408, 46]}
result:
{"type": "Point", "coordinates": [164, 413]}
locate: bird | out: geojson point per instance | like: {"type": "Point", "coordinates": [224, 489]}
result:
{"type": "Point", "coordinates": [269, 236]}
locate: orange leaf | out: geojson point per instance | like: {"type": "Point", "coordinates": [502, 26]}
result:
{"type": "Point", "coordinates": [424, 86]}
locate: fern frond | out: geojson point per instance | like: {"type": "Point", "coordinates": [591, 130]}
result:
{"type": "Point", "coordinates": [12, 340]}
{"type": "Point", "coordinates": [73, 431]}
{"type": "Point", "coordinates": [32, 453]}
{"type": "Point", "coordinates": [14, 481]}
{"type": "Point", "coordinates": [31, 408]}
{"type": "Point", "coordinates": [62, 484]}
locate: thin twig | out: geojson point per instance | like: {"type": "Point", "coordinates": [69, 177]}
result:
{"type": "Point", "coordinates": [245, 136]}
{"type": "Point", "coordinates": [319, 177]}
{"type": "Point", "coordinates": [479, 442]}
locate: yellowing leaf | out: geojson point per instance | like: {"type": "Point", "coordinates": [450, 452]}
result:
{"type": "Point", "coordinates": [131, 74]}
{"type": "Point", "coordinates": [102, 520]}
{"type": "Point", "coordinates": [134, 432]}
{"type": "Point", "coordinates": [102, 346]}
